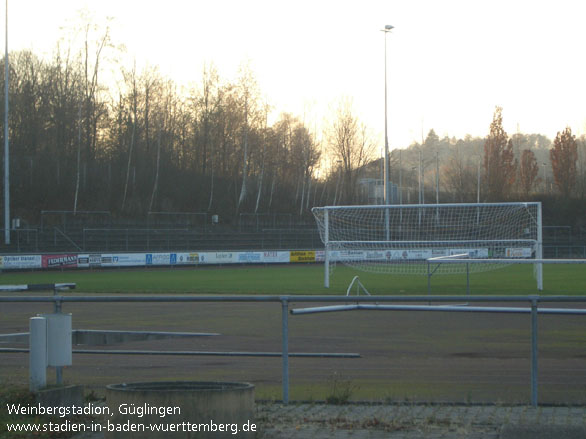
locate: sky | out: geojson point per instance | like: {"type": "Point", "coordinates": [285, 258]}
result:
{"type": "Point", "coordinates": [450, 62]}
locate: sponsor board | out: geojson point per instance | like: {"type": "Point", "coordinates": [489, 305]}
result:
{"type": "Point", "coordinates": [87, 260]}
{"type": "Point", "coordinates": [349, 255]}
{"type": "Point", "coordinates": [518, 252]}
{"type": "Point", "coordinates": [395, 255]}
{"type": "Point", "coordinates": [160, 258]}
{"type": "Point", "coordinates": [59, 261]}
{"type": "Point", "coordinates": [320, 255]}
{"type": "Point", "coordinates": [275, 257]}
{"type": "Point", "coordinates": [20, 261]}
{"type": "Point", "coordinates": [223, 258]}
{"type": "Point", "coordinates": [474, 253]}
{"type": "Point", "coordinates": [191, 258]}
{"type": "Point", "coordinates": [250, 257]}
{"type": "Point", "coordinates": [302, 256]}
{"type": "Point", "coordinates": [438, 252]}
{"type": "Point", "coordinates": [123, 260]}
{"type": "Point", "coordinates": [375, 255]}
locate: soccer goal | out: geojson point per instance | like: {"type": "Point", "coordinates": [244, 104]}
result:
{"type": "Point", "coordinates": [399, 239]}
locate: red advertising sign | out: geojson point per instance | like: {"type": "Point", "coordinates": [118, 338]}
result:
{"type": "Point", "coordinates": [60, 261]}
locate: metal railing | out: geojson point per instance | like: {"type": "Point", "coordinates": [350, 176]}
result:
{"type": "Point", "coordinates": [357, 302]}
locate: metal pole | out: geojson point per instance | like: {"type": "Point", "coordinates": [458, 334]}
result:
{"type": "Point", "coordinates": [386, 168]}
{"type": "Point", "coordinates": [400, 180]}
{"type": "Point", "coordinates": [285, 349]}
{"type": "Point", "coordinates": [467, 279]}
{"type": "Point", "coordinates": [326, 249]}
{"type": "Point", "coordinates": [428, 280]}
{"type": "Point", "coordinates": [437, 177]}
{"type": "Point", "coordinates": [387, 225]}
{"type": "Point", "coordinates": [534, 368]}
{"type": "Point", "coordinates": [6, 144]}
{"type": "Point", "coordinates": [386, 30]}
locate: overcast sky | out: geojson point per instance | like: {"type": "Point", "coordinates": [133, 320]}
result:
{"type": "Point", "coordinates": [450, 62]}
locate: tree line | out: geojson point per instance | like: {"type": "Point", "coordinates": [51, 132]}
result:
{"type": "Point", "coordinates": [494, 168]}
{"type": "Point", "coordinates": [134, 142]}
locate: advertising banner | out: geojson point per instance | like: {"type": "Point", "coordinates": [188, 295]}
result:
{"type": "Point", "coordinates": [250, 257]}
{"type": "Point", "coordinates": [59, 261]}
{"type": "Point", "coordinates": [89, 260]}
{"type": "Point", "coordinates": [124, 260]}
{"type": "Point", "coordinates": [375, 255]}
{"type": "Point", "coordinates": [474, 253]}
{"type": "Point", "coordinates": [275, 257]}
{"type": "Point", "coordinates": [191, 258]}
{"type": "Point", "coordinates": [518, 252]}
{"type": "Point", "coordinates": [160, 258]}
{"type": "Point", "coordinates": [302, 256]}
{"type": "Point", "coordinates": [220, 258]}
{"type": "Point", "coordinates": [113, 260]}
{"type": "Point", "coordinates": [20, 261]}
{"type": "Point", "coordinates": [349, 255]}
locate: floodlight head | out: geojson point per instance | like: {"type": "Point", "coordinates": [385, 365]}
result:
{"type": "Point", "coordinates": [389, 27]}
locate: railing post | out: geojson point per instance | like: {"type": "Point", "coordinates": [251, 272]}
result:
{"type": "Point", "coordinates": [467, 278]}
{"type": "Point", "coordinates": [534, 358]}
{"type": "Point", "coordinates": [285, 348]}
{"type": "Point", "coordinates": [428, 280]}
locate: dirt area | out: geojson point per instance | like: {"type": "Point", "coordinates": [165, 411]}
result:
{"type": "Point", "coordinates": [405, 356]}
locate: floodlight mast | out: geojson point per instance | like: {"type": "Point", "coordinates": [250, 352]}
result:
{"type": "Point", "coordinates": [386, 30]}
{"type": "Point", "coordinates": [6, 144]}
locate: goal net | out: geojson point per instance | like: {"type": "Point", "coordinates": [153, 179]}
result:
{"type": "Point", "coordinates": [399, 239]}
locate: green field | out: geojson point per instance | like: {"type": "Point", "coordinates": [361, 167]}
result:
{"type": "Point", "coordinates": [404, 356]}
{"type": "Point", "coordinates": [306, 279]}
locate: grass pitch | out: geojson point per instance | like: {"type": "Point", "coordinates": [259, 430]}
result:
{"type": "Point", "coordinates": [307, 279]}
{"type": "Point", "coordinates": [405, 356]}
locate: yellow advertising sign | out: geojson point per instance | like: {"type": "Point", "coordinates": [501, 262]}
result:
{"type": "Point", "coordinates": [302, 256]}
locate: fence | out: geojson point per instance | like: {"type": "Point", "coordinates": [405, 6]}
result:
{"type": "Point", "coordinates": [131, 239]}
{"type": "Point", "coordinates": [175, 220]}
{"type": "Point", "coordinates": [255, 222]}
{"type": "Point", "coordinates": [358, 302]}
{"type": "Point", "coordinates": [68, 219]}
{"type": "Point", "coordinates": [564, 251]}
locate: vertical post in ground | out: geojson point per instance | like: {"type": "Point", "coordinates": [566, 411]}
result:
{"type": "Point", "coordinates": [285, 349]}
{"type": "Point", "coordinates": [387, 223]}
{"type": "Point", "coordinates": [534, 358]}
{"type": "Point", "coordinates": [428, 280]}
{"type": "Point", "coordinates": [327, 252]}
{"type": "Point", "coordinates": [467, 278]}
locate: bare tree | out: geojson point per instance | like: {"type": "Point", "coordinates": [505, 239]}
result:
{"type": "Point", "coordinates": [350, 143]}
{"type": "Point", "coordinates": [248, 96]}
{"type": "Point", "coordinates": [264, 151]}
{"type": "Point", "coordinates": [131, 77]}
{"type": "Point", "coordinates": [460, 173]}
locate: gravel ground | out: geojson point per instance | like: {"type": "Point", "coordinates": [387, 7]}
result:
{"type": "Point", "coordinates": [365, 421]}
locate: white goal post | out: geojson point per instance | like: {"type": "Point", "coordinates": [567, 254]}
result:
{"type": "Point", "coordinates": [399, 239]}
